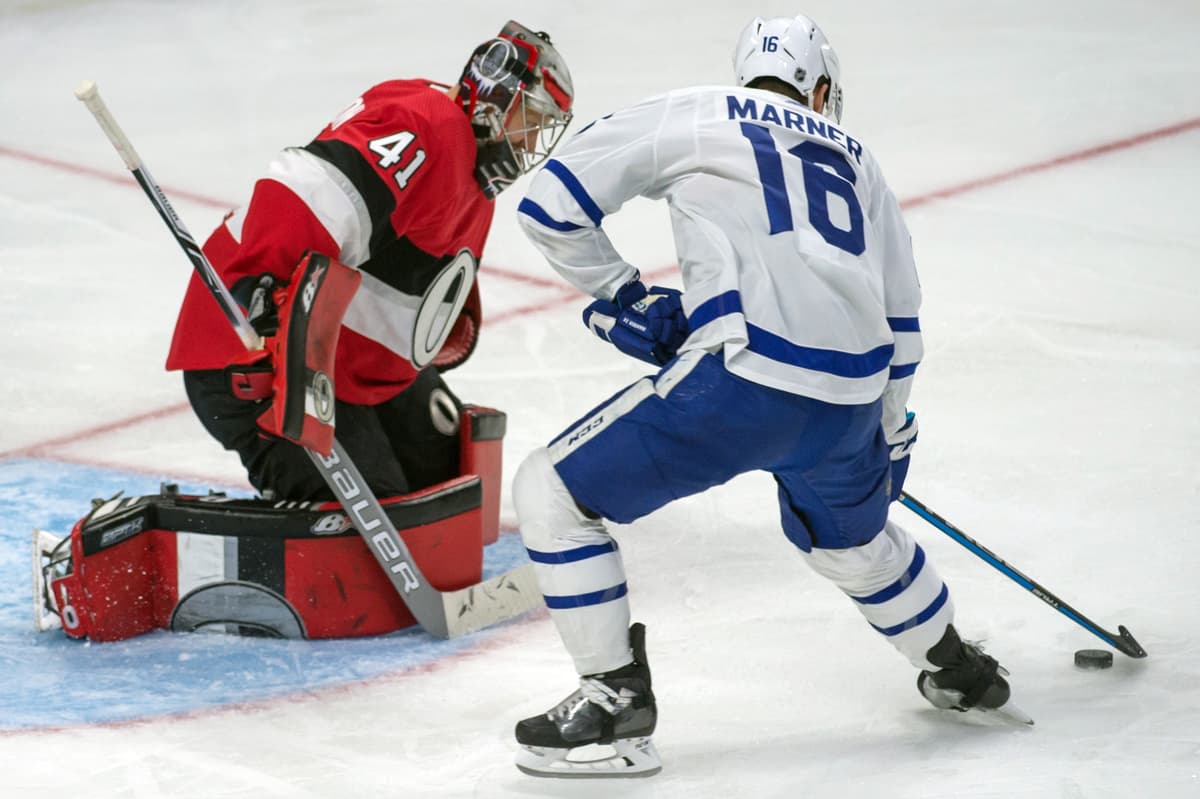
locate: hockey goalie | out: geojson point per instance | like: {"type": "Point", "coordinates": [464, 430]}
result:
{"type": "Point", "coordinates": [357, 251]}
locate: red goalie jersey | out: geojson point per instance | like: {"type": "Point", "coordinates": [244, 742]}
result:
{"type": "Point", "coordinates": [389, 189]}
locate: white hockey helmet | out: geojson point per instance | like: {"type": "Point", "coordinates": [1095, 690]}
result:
{"type": "Point", "coordinates": [793, 50]}
{"type": "Point", "coordinates": [516, 90]}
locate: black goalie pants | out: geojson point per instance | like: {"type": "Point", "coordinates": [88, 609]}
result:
{"type": "Point", "coordinates": [404, 444]}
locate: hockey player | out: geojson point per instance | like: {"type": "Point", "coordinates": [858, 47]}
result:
{"type": "Point", "coordinates": [791, 350]}
{"type": "Point", "coordinates": [399, 186]}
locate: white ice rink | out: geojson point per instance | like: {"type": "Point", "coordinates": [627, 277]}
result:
{"type": "Point", "coordinates": [1057, 399]}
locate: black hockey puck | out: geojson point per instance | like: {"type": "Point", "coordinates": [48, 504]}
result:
{"type": "Point", "coordinates": [1093, 659]}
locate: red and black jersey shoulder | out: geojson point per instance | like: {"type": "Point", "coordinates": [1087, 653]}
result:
{"type": "Point", "coordinates": [409, 152]}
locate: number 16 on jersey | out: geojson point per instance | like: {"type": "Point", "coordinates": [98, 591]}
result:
{"type": "Point", "coordinates": [826, 172]}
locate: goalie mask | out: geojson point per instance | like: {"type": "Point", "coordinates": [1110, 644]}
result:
{"type": "Point", "coordinates": [517, 92]}
{"type": "Point", "coordinates": [795, 51]}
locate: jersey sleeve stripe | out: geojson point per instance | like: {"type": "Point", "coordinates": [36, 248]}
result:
{"type": "Point", "coordinates": [576, 190]}
{"type": "Point", "coordinates": [904, 324]}
{"type": "Point", "coordinates": [537, 213]}
{"type": "Point", "coordinates": [384, 315]}
{"type": "Point", "coordinates": [901, 372]}
{"type": "Point", "coordinates": [377, 195]}
{"type": "Point", "coordinates": [330, 196]}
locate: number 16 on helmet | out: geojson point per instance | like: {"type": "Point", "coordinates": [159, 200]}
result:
{"type": "Point", "coordinates": [795, 51]}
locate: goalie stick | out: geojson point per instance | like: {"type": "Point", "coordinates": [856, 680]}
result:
{"type": "Point", "coordinates": [444, 614]}
{"type": "Point", "coordinates": [1123, 641]}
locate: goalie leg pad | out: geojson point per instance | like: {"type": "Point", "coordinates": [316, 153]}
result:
{"type": "Point", "coordinates": [481, 438]}
{"type": "Point", "coordinates": [287, 569]}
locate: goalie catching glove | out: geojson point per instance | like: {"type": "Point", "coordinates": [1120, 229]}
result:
{"type": "Point", "coordinates": [648, 324]}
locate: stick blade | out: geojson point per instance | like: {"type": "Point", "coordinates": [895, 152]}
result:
{"type": "Point", "coordinates": [492, 601]}
{"type": "Point", "coordinates": [1126, 643]}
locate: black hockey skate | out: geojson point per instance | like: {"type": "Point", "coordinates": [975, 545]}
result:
{"type": "Point", "coordinates": [612, 715]}
{"type": "Point", "coordinates": [968, 680]}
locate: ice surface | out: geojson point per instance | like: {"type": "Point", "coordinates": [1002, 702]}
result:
{"type": "Point", "coordinates": [1057, 404]}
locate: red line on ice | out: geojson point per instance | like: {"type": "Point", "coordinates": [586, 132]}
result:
{"type": "Point", "coordinates": [1051, 163]}
{"type": "Point", "coordinates": [120, 178]}
{"type": "Point", "coordinates": [35, 450]}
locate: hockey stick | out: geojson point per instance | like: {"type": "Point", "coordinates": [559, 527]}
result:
{"type": "Point", "coordinates": [1123, 641]}
{"type": "Point", "coordinates": [444, 614]}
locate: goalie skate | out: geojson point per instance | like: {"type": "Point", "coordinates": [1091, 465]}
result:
{"type": "Point", "coordinates": [601, 730]}
{"type": "Point", "coordinates": [50, 553]}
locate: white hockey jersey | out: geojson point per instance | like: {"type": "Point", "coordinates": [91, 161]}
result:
{"type": "Point", "coordinates": [796, 261]}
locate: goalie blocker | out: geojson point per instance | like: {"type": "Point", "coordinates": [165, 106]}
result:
{"type": "Point", "coordinates": [297, 366]}
{"type": "Point", "coordinates": [258, 567]}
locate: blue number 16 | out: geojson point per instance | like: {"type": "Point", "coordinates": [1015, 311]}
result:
{"type": "Point", "coordinates": [818, 184]}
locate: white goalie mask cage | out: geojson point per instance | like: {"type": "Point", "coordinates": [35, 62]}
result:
{"type": "Point", "coordinates": [518, 94]}
{"type": "Point", "coordinates": [793, 50]}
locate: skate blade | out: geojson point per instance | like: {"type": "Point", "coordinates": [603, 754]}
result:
{"type": "Point", "coordinates": [628, 757]}
{"type": "Point", "coordinates": [1010, 714]}
{"type": "Point", "coordinates": [943, 699]}
{"type": "Point", "coordinates": [1007, 715]}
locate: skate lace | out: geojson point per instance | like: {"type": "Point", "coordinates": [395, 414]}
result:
{"type": "Point", "coordinates": [978, 646]}
{"type": "Point", "coordinates": [597, 693]}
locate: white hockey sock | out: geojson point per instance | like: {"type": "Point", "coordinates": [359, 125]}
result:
{"type": "Point", "coordinates": [578, 567]}
{"type": "Point", "coordinates": [895, 587]}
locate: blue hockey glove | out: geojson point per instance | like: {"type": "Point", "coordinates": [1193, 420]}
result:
{"type": "Point", "coordinates": [648, 324]}
{"type": "Point", "coordinates": [900, 444]}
